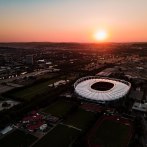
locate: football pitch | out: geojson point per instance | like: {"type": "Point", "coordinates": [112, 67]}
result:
{"type": "Point", "coordinates": [110, 133]}
{"type": "Point", "coordinates": [17, 138]}
{"type": "Point", "coordinates": [60, 136]}
{"type": "Point", "coordinates": [59, 109]}
{"type": "Point", "coordinates": [80, 119]}
{"type": "Point", "coordinates": [32, 91]}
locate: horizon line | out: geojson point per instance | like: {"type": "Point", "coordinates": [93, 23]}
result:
{"type": "Point", "coordinates": [72, 42]}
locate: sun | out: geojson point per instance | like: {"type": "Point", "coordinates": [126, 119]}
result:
{"type": "Point", "coordinates": [101, 35]}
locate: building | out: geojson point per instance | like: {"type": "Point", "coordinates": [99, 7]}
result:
{"type": "Point", "coordinates": [29, 59]}
{"type": "Point", "coordinates": [140, 107]}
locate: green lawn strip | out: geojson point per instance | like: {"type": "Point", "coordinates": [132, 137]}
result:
{"type": "Point", "coordinates": [80, 119]}
{"type": "Point", "coordinates": [111, 134]}
{"type": "Point", "coordinates": [59, 108]}
{"type": "Point", "coordinates": [36, 89]}
{"type": "Point", "coordinates": [60, 136]}
{"type": "Point", "coordinates": [29, 92]}
{"type": "Point", "coordinates": [17, 138]}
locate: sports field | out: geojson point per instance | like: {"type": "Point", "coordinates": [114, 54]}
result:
{"type": "Point", "coordinates": [59, 108]}
{"type": "Point", "coordinates": [110, 133]}
{"type": "Point", "coordinates": [36, 89]}
{"type": "Point", "coordinates": [80, 119]}
{"type": "Point", "coordinates": [60, 136]}
{"type": "Point", "coordinates": [30, 92]}
{"type": "Point", "coordinates": [17, 138]}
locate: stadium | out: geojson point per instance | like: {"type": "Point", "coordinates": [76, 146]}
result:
{"type": "Point", "coordinates": [100, 89]}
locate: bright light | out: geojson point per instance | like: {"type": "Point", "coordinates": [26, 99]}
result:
{"type": "Point", "coordinates": [101, 35]}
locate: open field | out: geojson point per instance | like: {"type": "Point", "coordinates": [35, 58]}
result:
{"type": "Point", "coordinates": [17, 138]}
{"type": "Point", "coordinates": [110, 133]}
{"type": "Point", "coordinates": [80, 119]}
{"type": "Point", "coordinates": [36, 89]}
{"type": "Point", "coordinates": [60, 136]}
{"type": "Point", "coordinates": [59, 108]}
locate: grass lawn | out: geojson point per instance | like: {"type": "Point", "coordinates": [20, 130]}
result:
{"type": "Point", "coordinates": [80, 119]}
{"type": "Point", "coordinates": [59, 108]}
{"type": "Point", "coordinates": [60, 136]}
{"type": "Point", "coordinates": [17, 138]}
{"type": "Point", "coordinates": [111, 134]}
{"type": "Point", "coordinates": [37, 89]}
{"type": "Point", "coordinates": [29, 92]}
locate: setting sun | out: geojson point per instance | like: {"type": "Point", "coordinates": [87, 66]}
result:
{"type": "Point", "coordinates": [101, 35]}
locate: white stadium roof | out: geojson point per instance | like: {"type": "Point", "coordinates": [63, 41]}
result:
{"type": "Point", "coordinates": [118, 89]}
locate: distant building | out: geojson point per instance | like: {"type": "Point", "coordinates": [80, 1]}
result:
{"type": "Point", "coordinates": [58, 83]}
{"type": "Point", "coordinates": [140, 107]}
{"type": "Point", "coordinates": [2, 60]}
{"type": "Point", "coordinates": [107, 72]}
{"type": "Point", "coordinates": [6, 130]}
{"type": "Point", "coordinates": [29, 59]}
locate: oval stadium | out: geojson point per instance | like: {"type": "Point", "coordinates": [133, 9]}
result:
{"type": "Point", "coordinates": [101, 89]}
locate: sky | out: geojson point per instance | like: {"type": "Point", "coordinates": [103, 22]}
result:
{"type": "Point", "coordinates": [72, 20]}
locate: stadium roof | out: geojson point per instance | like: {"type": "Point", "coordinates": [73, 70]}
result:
{"type": "Point", "coordinates": [84, 88]}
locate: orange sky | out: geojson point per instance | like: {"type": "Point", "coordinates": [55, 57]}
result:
{"type": "Point", "coordinates": [72, 21]}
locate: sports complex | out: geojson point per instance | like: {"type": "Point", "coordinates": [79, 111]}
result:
{"type": "Point", "coordinates": [110, 131]}
{"type": "Point", "coordinates": [87, 124]}
{"type": "Point", "coordinates": [101, 89]}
